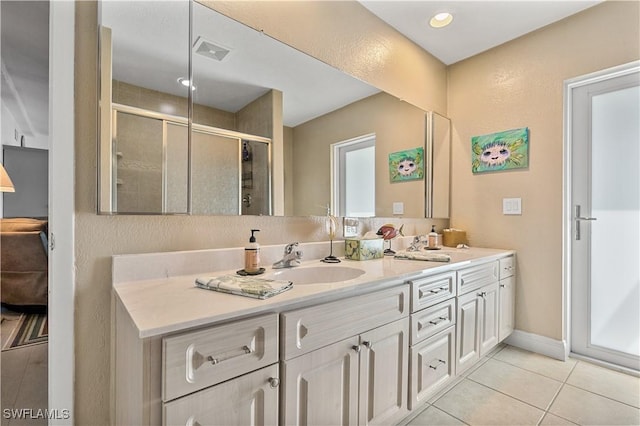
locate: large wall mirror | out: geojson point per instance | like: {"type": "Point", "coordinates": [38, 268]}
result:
{"type": "Point", "coordinates": [251, 127]}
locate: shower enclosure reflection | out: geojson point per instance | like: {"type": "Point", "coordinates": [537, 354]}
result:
{"type": "Point", "coordinates": [229, 171]}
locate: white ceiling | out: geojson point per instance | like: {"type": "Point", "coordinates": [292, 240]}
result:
{"type": "Point", "coordinates": [310, 87]}
{"type": "Point", "coordinates": [477, 25]}
{"type": "Point", "coordinates": [25, 64]}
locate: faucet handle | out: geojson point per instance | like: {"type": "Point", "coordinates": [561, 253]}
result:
{"type": "Point", "coordinates": [288, 249]}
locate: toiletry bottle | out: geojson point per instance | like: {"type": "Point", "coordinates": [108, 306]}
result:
{"type": "Point", "coordinates": [433, 237]}
{"type": "Point", "coordinates": [252, 255]}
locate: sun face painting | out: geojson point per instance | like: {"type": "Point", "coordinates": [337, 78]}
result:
{"type": "Point", "coordinates": [500, 151]}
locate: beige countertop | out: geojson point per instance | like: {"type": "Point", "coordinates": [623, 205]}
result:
{"type": "Point", "coordinates": [160, 306]}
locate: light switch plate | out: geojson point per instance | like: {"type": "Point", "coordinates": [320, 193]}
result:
{"type": "Point", "coordinates": [398, 208]}
{"type": "Point", "coordinates": [512, 206]}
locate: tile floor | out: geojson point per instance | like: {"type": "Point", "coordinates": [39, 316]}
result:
{"type": "Point", "coordinates": [24, 379]}
{"type": "Point", "coordinates": [515, 387]}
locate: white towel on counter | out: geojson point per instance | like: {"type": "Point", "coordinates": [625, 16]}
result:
{"type": "Point", "coordinates": [427, 256]}
{"type": "Point", "coordinates": [258, 288]}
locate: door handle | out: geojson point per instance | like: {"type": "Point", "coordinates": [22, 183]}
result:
{"type": "Point", "coordinates": [578, 218]}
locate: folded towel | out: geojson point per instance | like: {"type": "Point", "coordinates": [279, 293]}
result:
{"type": "Point", "coordinates": [258, 288]}
{"type": "Point", "coordinates": [431, 257]}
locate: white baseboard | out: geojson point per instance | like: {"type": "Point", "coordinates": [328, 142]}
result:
{"type": "Point", "coordinates": [539, 344]}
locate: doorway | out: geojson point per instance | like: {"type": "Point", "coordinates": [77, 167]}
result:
{"type": "Point", "coordinates": [353, 177]}
{"type": "Point", "coordinates": [602, 210]}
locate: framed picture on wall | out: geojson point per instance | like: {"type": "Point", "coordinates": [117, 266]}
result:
{"type": "Point", "coordinates": [500, 151]}
{"type": "Point", "coordinates": [406, 165]}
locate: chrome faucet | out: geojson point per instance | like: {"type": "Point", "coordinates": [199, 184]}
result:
{"type": "Point", "coordinates": [291, 257]}
{"type": "Point", "coordinates": [419, 243]}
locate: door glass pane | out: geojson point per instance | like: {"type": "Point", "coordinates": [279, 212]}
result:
{"type": "Point", "coordinates": [177, 165]}
{"type": "Point", "coordinates": [138, 164]}
{"type": "Point", "coordinates": [615, 238]}
{"type": "Point", "coordinates": [360, 182]}
{"type": "Point", "coordinates": [215, 174]}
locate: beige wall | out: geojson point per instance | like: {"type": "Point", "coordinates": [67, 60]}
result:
{"type": "Point", "coordinates": [397, 125]}
{"type": "Point", "coordinates": [97, 238]}
{"type": "Point", "coordinates": [347, 36]}
{"type": "Point", "coordinates": [520, 84]}
{"type": "Point", "coordinates": [153, 100]}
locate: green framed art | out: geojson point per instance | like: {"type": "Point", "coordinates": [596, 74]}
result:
{"type": "Point", "coordinates": [500, 151]}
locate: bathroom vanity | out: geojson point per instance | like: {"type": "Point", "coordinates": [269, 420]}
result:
{"type": "Point", "coordinates": [368, 350]}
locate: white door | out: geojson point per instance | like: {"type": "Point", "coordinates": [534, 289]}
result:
{"type": "Point", "coordinates": [604, 133]}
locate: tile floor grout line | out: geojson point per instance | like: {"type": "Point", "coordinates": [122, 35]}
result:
{"type": "Point", "coordinates": [507, 395]}
{"type": "Point", "coordinates": [602, 396]}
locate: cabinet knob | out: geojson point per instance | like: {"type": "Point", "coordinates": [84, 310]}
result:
{"type": "Point", "coordinates": [274, 382]}
{"type": "Point", "coordinates": [368, 344]}
{"type": "Point", "coordinates": [356, 348]}
{"type": "Point", "coordinates": [502, 285]}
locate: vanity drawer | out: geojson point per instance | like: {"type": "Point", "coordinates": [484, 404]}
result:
{"type": "Point", "coordinates": [477, 276]}
{"type": "Point", "coordinates": [194, 360]}
{"type": "Point", "coordinates": [432, 366]}
{"type": "Point", "coordinates": [431, 290]}
{"type": "Point", "coordinates": [235, 402]}
{"type": "Point", "coordinates": [307, 329]}
{"type": "Point", "coordinates": [430, 321]}
{"type": "Point", "coordinates": [507, 267]}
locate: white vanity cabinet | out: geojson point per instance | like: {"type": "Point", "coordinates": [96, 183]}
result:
{"type": "Point", "coordinates": [432, 352]}
{"type": "Point", "coordinates": [507, 292]}
{"type": "Point", "coordinates": [484, 309]}
{"type": "Point", "coordinates": [358, 380]}
{"type": "Point", "coordinates": [365, 351]}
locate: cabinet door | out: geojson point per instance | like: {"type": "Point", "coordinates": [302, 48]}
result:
{"type": "Point", "coordinates": [432, 366]}
{"type": "Point", "coordinates": [384, 373]}
{"type": "Point", "coordinates": [468, 332]}
{"type": "Point", "coordinates": [251, 399]}
{"type": "Point", "coordinates": [506, 319]}
{"type": "Point", "coordinates": [488, 317]}
{"type": "Point", "coordinates": [321, 387]}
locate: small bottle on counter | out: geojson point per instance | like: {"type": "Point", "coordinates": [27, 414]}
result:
{"type": "Point", "coordinates": [252, 255]}
{"type": "Point", "coordinates": [432, 237]}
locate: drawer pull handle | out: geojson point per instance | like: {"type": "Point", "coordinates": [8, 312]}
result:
{"type": "Point", "coordinates": [356, 348]}
{"type": "Point", "coordinates": [245, 350]}
{"type": "Point", "coordinates": [482, 294]}
{"type": "Point", "coordinates": [368, 344]}
{"type": "Point", "coordinates": [438, 322]}
{"type": "Point", "coordinates": [502, 286]}
{"type": "Point", "coordinates": [274, 382]}
{"type": "Point", "coordinates": [438, 290]}
{"type": "Point", "coordinates": [440, 362]}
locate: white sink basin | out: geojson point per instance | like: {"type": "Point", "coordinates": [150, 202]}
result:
{"type": "Point", "coordinates": [316, 274]}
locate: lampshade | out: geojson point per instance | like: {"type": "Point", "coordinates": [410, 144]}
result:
{"type": "Point", "coordinates": [5, 181]}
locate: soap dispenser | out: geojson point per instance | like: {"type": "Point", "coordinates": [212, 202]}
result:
{"type": "Point", "coordinates": [252, 255]}
{"type": "Point", "coordinates": [432, 238]}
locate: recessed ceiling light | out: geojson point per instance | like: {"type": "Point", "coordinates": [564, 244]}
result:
{"type": "Point", "coordinates": [186, 83]}
{"type": "Point", "coordinates": [441, 20]}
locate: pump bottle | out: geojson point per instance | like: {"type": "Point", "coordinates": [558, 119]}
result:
{"type": "Point", "coordinates": [432, 237]}
{"type": "Point", "coordinates": [252, 255]}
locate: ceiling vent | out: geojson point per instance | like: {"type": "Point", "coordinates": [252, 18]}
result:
{"type": "Point", "coordinates": [210, 50]}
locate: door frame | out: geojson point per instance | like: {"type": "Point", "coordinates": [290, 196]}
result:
{"type": "Point", "coordinates": [567, 223]}
{"type": "Point", "coordinates": [61, 359]}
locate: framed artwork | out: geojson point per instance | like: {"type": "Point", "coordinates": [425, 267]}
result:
{"type": "Point", "coordinates": [500, 151]}
{"type": "Point", "coordinates": [406, 165]}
